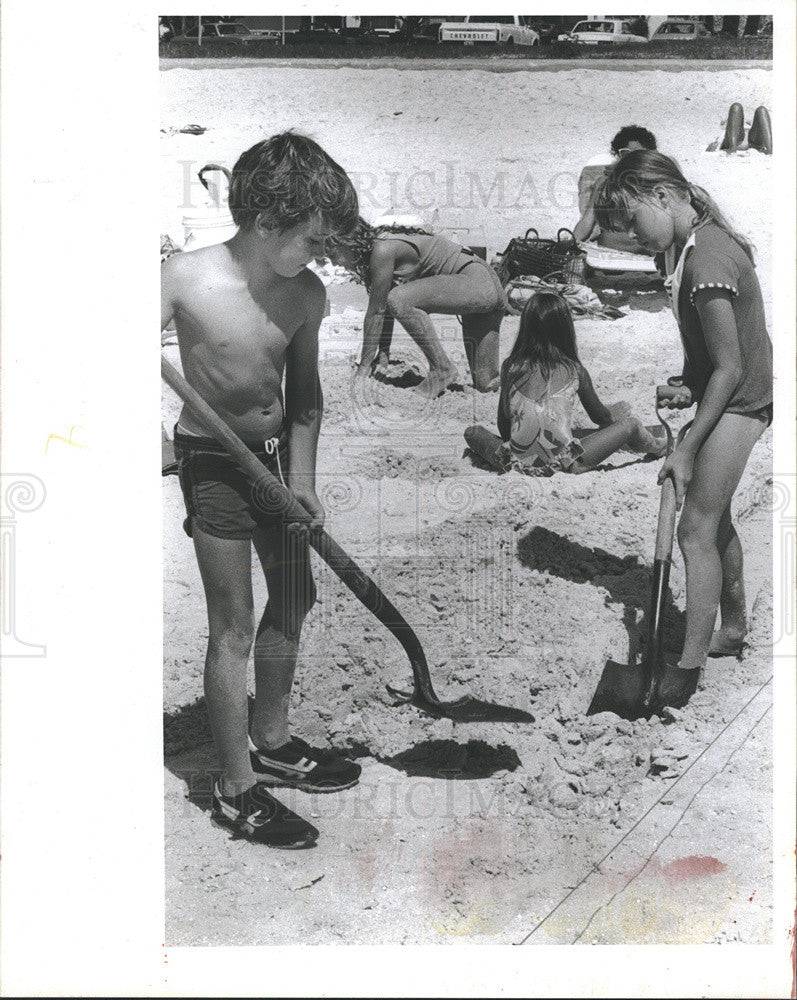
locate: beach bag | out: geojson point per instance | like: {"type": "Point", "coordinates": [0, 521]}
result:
{"type": "Point", "coordinates": [530, 254]}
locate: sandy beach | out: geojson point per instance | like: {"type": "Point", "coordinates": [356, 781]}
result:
{"type": "Point", "coordinates": [570, 828]}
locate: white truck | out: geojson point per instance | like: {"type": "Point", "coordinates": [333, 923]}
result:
{"type": "Point", "coordinates": [506, 30]}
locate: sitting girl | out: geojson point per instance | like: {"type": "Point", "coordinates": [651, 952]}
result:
{"type": "Point", "coordinates": [540, 381]}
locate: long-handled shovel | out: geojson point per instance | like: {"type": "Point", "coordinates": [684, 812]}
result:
{"type": "Point", "coordinates": [626, 689]}
{"type": "Point", "coordinates": [273, 497]}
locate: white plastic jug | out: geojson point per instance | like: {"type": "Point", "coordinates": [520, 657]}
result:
{"type": "Point", "coordinates": [210, 223]}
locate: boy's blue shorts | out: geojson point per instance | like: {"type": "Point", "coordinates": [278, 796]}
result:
{"type": "Point", "coordinates": [219, 499]}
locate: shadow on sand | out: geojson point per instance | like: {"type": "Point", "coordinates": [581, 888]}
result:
{"type": "Point", "coordinates": [627, 580]}
{"type": "Point", "coordinates": [190, 755]}
{"type": "Point", "coordinates": [407, 377]}
{"type": "Point", "coordinates": [449, 760]}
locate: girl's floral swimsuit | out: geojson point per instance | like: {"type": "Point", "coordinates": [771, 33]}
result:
{"type": "Point", "coordinates": [541, 412]}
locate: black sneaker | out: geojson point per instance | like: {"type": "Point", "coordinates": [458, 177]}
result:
{"type": "Point", "coordinates": [299, 765]}
{"type": "Point", "coordinates": [259, 816]}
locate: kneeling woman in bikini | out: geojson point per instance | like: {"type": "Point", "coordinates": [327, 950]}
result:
{"type": "Point", "coordinates": [410, 273]}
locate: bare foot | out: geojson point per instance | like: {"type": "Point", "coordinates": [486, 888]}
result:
{"type": "Point", "coordinates": [726, 642]}
{"type": "Point", "coordinates": [492, 386]}
{"type": "Point", "coordinates": [646, 443]}
{"type": "Point", "coordinates": [437, 381]}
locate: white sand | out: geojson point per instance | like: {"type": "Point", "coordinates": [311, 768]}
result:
{"type": "Point", "coordinates": [527, 133]}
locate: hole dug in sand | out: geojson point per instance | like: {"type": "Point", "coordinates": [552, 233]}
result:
{"type": "Point", "coordinates": [449, 760]}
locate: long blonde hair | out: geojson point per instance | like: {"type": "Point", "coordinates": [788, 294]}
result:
{"type": "Point", "coordinates": [634, 178]}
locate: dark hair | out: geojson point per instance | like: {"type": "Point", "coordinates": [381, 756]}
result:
{"type": "Point", "coordinates": [635, 177]}
{"type": "Point", "coordinates": [633, 133]}
{"type": "Point", "coordinates": [546, 339]}
{"type": "Point", "coordinates": [358, 243]}
{"type": "Point", "coordinates": [290, 178]}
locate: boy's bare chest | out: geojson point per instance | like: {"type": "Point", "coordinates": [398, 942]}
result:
{"type": "Point", "coordinates": [241, 323]}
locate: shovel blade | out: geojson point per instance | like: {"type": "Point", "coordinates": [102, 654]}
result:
{"type": "Point", "coordinates": [465, 709]}
{"type": "Point", "coordinates": [621, 690]}
{"type": "Point", "coordinates": [474, 710]}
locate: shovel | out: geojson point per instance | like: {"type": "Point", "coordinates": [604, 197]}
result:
{"type": "Point", "coordinates": [626, 689]}
{"type": "Point", "coordinates": [275, 498]}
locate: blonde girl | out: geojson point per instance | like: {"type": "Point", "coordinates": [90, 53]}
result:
{"type": "Point", "coordinates": [716, 299]}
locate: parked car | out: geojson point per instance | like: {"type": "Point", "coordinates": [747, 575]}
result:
{"type": "Point", "coordinates": [220, 35]}
{"type": "Point", "coordinates": [385, 28]}
{"type": "Point", "coordinates": [315, 33]}
{"type": "Point", "coordinates": [547, 30]}
{"type": "Point", "coordinates": [672, 30]}
{"type": "Point", "coordinates": [609, 31]}
{"type": "Point", "coordinates": [428, 30]}
{"type": "Point", "coordinates": [506, 30]}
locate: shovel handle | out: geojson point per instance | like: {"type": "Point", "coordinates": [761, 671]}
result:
{"type": "Point", "coordinates": [666, 526]}
{"type": "Point", "coordinates": [277, 499]}
{"type": "Point", "coordinates": [652, 664]}
{"type": "Point", "coordinates": [667, 502]}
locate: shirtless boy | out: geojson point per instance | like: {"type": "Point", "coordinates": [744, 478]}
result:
{"type": "Point", "coordinates": [248, 311]}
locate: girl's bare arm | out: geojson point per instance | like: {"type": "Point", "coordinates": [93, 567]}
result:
{"type": "Point", "coordinates": [715, 309]}
{"type": "Point", "coordinates": [383, 259]}
{"type": "Point", "coordinates": [504, 423]}
{"type": "Point", "coordinates": [586, 224]}
{"type": "Point", "coordinates": [583, 229]}
{"type": "Point", "coordinates": [596, 411]}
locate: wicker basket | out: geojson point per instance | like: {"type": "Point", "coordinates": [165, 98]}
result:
{"type": "Point", "coordinates": [531, 255]}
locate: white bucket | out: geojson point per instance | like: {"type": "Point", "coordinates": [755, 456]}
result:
{"type": "Point", "coordinates": [211, 223]}
{"type": "Point", "coordinates": [207, 229]}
